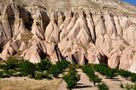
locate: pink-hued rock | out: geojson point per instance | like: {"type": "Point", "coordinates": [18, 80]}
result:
{"type": "Point", "coordinates": [127, 57]}
{"type": "Point", "coordinates": [52, 31]}
{"type": "Point", "coordinates": [8, 51]}
{"type": "Point", "coordinates": [34, 54]}
{"type": "Point", "coordinates": [133, 65]}
{"type": "Point", "coordinates": [96, 31]}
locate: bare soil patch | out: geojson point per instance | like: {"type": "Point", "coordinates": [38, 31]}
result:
{"type": "Point", "coordinates": [24, 83]}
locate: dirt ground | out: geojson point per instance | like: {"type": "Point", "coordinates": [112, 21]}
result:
{"type": "Point", "coordinates": [23, 83]}
{"type": "Point", "coordinates": [85, 84]}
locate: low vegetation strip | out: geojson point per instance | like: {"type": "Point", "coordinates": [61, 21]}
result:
{"type": "Point", "coordinates": [46, 70]}
{"type": "Point", "coordinates": [71, 78]}
{"type": "Point", "coordinates": [43, 70]}
{"type": "Point", "coordinates": [89, 70]}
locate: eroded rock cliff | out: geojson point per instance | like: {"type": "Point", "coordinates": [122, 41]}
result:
{"type": "Point", "coordinates": [81, 31]}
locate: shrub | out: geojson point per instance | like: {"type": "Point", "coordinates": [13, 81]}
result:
{"type": "Point", "coordinates": [27, 68]}
{"type": "Point", "coordinates": [129, 87]}
{"type": "Point", "coordinates": [74, 66]}
{"type": "Point", "coordinates": [133, 77]}
{"type": "Point", "coordinates": [105, 70]}
{"type": "Point", "coordinates": [2, 66]}
{"type": "Point", "coordinates": [17, 74]}
{"type": "Point", "coordinates": [88, 69]}
{"type": "Point", "coordinates": [1, 73]}
{"type": "Point", "coordinates": [39, 75]}
{"type": "Point", "coordinates": [96, 79]}
{"type": "Point", "coordinates": [43, 65]}
{"type": "Point", "coordinates": [47, 75]}
{"type": "Point", "coordinates": [103, 86]}
{"type": "Point", "coordinates": [71, 79]}
{"type": "Point", "coordinates": [62, 65]}
{"type": "Point", "coordinates": [9, 72]}
{"type": "Point", "coordinates": [55, 71]}
{"type": "Point", "coordinates": [124, 73]}
{"type": "Point", "coordinates": [59, 68]}
{"type": "Point", "coordinates": [4, 74]}
{"type": "Point", "coordinates": [11, 63]}
{"type": "Point", "coordinates": [111, 73]}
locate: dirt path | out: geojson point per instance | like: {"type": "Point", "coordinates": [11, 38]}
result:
{"type": "Point", "coordinates": [85, 84]}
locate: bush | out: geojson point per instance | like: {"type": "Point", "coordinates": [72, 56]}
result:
{"type": "Point", "coordinates": [62, 65]}
{"type": "Point", "coordinates": [43, 65]}
{"type": "Point", "coordinates": [39, 75]}
{"type": "Point", "coordinates": [71, 79]}
{"type": "Point", "coordinates": [59, 68]}
{"type": "Point", "coordinates": [105, 70]}
{"type": "Point", "coordinates": [88, 69]}
{"type": "Point", "coordinates": [133, 77]}
{"type": "Point", "coordinates": [74, 66]}
{"type": "Point", "coordinates": [9, 72]}
{"type": "Point", "coordinates": [103, 86]}
{"type": "Point", "coordinates": [4, 74]}
{"type": "Point", "coordinates": [17, 74]}
{"type": "Point", "coordinates": [47, 75]}
{"type": "Point", "coordinates": [55, 71]}
{"type": "Point", "coordinates": [27, 68]}
{"type": "Point", "coordinates": [1, 74]}
{"type": "Point", "coordinates": [96, 79]}
{"type": "Point", "coordinates": [42, 75]}
{"type": "Point", "coordinates": [129, 87]}
{"type": "Point", "coordinates": [2, 66]}
{"type": "Point", "coordinates": [124, 73]}
{"type": "Point", "coordinates": [11, 63]}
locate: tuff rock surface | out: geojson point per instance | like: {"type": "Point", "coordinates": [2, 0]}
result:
{"type": "Point", "coordinates": [81, 31]}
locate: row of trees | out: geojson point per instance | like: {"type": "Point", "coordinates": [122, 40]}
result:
{"type": "Point", "coordinates": [43, 70]}
{"type": "Point", "coordinates": [46, 70]}
{"type": "Point", "coordinates": [71, 78]}
{"type": "Point", "coordinates": [111, 73]}
{"type": "Point", "coordinates": [90, 72]}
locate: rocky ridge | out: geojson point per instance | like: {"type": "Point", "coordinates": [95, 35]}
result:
{"type": "Point", "coordinates": [81, 31]}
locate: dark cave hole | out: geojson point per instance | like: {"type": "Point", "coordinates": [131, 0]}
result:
{"type": "Point", "coordinates": [28, 24]}
{"type": "Point", "coordinates": [104, 59]}
{"type": "Point", "coordinates": [0, 50]}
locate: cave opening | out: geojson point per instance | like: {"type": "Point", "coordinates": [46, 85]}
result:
{"type": "Point", "coordinates": [28, 24]}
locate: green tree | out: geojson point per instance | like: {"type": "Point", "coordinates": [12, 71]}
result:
{"type": "Point", "coordinates": [124, 73]}
{"type": "Point", "coordinates": [27, 68]}
{"type": "Point", "coordinates": [11, 63]}
{"type": "Point", "coordinates": [133, 77]}
{"type": "Point", "coordinates": [103, 86]}
{"type": "Point", "coordinates": [55, 71]}
{"type": "Point", "coordinates": [58, 68]}
{"type": "Point", "coordinates": [71, 78]}
{"type": "Point", "coordinates": [105, 70]}
{"type": "Point", "coordinates": [88, 69]}
{"type": "Point", "coordinates": [43, 65]}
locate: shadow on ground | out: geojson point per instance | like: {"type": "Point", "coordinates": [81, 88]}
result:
{"type": "Point", "coordinates": [81, 85]}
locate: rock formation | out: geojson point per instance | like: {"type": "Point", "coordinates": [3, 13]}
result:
{"type": "Point", "coordinates": [80, 31]}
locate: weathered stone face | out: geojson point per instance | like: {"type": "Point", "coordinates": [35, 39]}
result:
{"type": "Point", "coordinates": [81, 31]}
